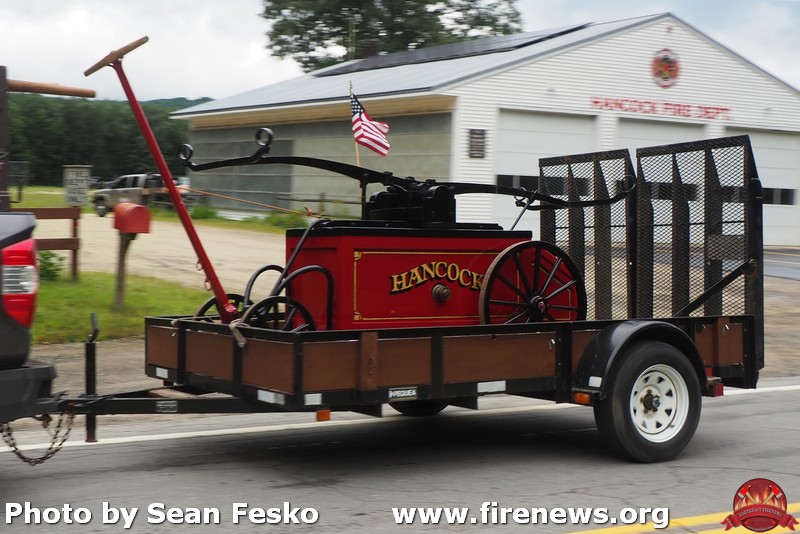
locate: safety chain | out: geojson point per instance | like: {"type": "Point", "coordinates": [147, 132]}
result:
{"type": "Point", "coordinates": [56, 442]}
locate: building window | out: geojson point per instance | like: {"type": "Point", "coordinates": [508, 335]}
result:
{"type": "Point", "coordinates": [477, 144]}
{"type": "Point", "coordinates": [783, 197]}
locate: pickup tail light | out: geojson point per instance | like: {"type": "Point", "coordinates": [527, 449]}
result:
{"type": "Point", "coordinates": [20, 281]}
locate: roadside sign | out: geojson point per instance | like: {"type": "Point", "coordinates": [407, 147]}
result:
{"type": "Point", "coordinates": [76, 184]}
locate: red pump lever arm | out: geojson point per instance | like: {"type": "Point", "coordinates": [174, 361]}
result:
{"type": "Point", "coordinates": [227, 310]}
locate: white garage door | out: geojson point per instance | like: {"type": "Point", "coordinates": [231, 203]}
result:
{"type": "Point", "coordinates": [633, 134]}
{"type": "Point", "coordinates": [525, 137]}
{"type": "Point", "coordinates": [777, 156]}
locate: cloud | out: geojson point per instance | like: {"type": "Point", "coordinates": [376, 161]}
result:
{"type": "Point", "coordinates": [197, 47]}
{"type": "Point", "coordinates": [217, 48]}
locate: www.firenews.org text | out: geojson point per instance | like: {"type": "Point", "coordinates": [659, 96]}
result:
{"type": "Point", "coordinates": [491, 513]}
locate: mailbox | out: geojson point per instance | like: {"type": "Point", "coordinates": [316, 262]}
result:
{"type": "Point", "coordinates": [131, 218]}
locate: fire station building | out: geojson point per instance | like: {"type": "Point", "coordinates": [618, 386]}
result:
{"type": "Point", "coordinates": [486, 111]}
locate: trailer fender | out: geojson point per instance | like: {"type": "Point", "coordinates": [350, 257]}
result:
{"type": "Point", "coordinates": [602, 352]}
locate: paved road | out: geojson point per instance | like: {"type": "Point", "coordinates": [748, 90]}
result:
{"type": "Point", "coordinates": [516, 452]}
{"type": "Point", "coordinates": [782, 262]}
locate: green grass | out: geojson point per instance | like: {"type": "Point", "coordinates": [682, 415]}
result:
{"type": "Point", "coordinates": [64, 307]}
{"type": "Point", "coordinates": [273, 222]}
{"type": "Point", "coordinates": [40, 196]}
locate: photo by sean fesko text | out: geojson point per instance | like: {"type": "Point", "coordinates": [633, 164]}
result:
{"type": "Point", "coordinates": [157, 513]}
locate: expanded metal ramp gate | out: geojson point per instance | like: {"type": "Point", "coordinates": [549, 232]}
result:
{"type": "Point", "coordinates": [687, 242]}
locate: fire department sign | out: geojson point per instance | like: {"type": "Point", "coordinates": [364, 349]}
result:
{"type": "Point", "coordinates": [665, 68]}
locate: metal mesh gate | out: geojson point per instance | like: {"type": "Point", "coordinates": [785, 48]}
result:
{"type": "Point", "coordinates": [686, 241]}
{"type": "Point", "coordinates": [596, 238]}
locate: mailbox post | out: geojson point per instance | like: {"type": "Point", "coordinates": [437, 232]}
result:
{"type": "Point", "coordinates": [131, 220]}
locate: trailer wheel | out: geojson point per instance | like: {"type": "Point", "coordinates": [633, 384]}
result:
{"type": "Point", "coordinates": [279, 312]}
{"type": "Point", "coordinates": [653, 404]}
{"type": "Point", "coordinates": [419, 408]}
{"type": "Point", "coordinates": [101, 208]}
{"type": "Point", "coordinates": [530, 282]}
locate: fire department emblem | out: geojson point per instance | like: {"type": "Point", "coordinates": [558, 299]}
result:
{"type": "Point", "coordinates": [759, 505]}
{"type": "Point", "coordinates": [665, 68]}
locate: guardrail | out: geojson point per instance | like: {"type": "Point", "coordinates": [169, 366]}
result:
{"type": "Point", "coordinates": [71, 243]}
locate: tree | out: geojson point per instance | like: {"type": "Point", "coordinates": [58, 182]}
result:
{"type": "Point", "coordinates": [49, 132]}
{"type": "Point", "coordinates": [319, 33]}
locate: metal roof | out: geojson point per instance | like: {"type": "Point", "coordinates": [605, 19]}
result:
{"type": "Point", "coordinates": [416, 71]}
{"type": "Point", "coordinates": [473, 47]}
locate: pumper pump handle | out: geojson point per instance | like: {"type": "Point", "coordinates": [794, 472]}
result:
{"type": "Point", "coordinates": [19, 86]}
{"type": "Point", "coordinates": [115, 55]}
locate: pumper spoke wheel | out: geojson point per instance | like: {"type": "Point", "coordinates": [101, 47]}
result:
{"type": "Point", "coordinates": [211, 304]}
{"type": "Point", "coordinates": [280, 312]}
{"type": "Point", "coordinates": [531, 282]}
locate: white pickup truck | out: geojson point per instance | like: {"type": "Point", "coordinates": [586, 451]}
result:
{"type": "Point", "coordinates": [140, 189]}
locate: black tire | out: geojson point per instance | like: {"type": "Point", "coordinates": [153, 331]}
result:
{"type": "Point", "coordinates": [279, 312]}
{"type": "Point", "coordinates": [101, 208]}
{"type": "Point", "coordinates": [210, 305]}
{"type": "Point", "coordinates": [419, 408]}
{"type": "Point", "coordinates": [653, 403]}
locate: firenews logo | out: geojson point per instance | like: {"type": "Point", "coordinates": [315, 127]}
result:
{"type": "Point", "coordinates": [759, 505]}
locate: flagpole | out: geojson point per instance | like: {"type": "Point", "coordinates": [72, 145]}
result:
{"type": "Point", "coordinates": [358, 164]}
{"type": "Point", "coordinates": [358, 159]}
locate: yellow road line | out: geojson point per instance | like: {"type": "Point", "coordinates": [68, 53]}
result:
{"type": "Point", "coordinates": [685, 522]}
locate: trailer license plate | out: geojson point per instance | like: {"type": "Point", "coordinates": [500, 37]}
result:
{"type": "Point", "coordinates": [401, 394]}
{"type": "Point", "coordinates": [167, 406]}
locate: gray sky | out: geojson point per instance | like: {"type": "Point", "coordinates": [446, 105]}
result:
{"type": "Point", "coordinates": [216, 48]}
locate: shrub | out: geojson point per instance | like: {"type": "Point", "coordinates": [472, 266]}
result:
{"type": "Point", "coordinates": [201, 211]}
{"type": "Point", "coordinates": [50, 265]}
{"type": "Point", "coordinates": [286, 220]}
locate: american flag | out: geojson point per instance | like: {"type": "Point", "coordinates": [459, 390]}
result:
{"type": "Point", "coordinates": [367, 132]}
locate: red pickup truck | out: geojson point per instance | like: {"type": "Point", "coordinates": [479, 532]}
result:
{"type": "Point", "coordinates": [25, 386]}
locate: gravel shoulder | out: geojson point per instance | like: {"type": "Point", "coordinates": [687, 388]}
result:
{"type": "Point", "coordinates": [166, 251]}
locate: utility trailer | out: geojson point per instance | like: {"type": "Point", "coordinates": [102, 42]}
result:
{"type": "Point", "coordinates": [642, 293]}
